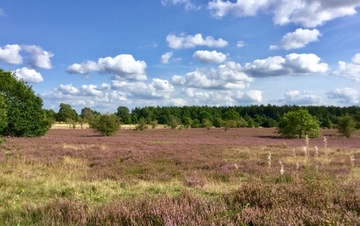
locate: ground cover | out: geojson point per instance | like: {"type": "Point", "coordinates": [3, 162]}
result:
{"type": "Point", "coordinates": [247, 176]}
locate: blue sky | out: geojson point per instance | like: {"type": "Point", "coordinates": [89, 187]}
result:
{"type": "Point", "coordinates": [184, 52]}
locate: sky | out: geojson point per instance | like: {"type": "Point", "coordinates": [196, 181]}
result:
{"type": "Point", "coordinates": [136, 53]}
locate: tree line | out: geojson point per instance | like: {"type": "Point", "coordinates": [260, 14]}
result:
{"type": "Point", "coordinates": [202, 116]}
{"type": "Point", "coordinates": [21, 114]}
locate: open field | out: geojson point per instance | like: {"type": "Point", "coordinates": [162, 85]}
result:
{"type": "Point", "coordinates": [179, 177]}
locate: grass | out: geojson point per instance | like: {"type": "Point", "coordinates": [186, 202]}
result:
{"type": "Point", "coordinates": [162, 177]}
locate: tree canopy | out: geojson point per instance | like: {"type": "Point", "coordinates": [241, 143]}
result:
{"type": "Point", "coordinates": [298, 123]}
{"type": "Point", "coordinates": [22, 110]}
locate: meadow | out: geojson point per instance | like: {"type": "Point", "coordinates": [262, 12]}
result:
{"type": "Point", "coordinates": [245, 176]}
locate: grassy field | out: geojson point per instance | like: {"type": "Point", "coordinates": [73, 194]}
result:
{"type": "Point", "coordinates": [180, 177]}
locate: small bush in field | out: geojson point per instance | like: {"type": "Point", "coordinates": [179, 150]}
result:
{"type": "Point", "coordinates": [141, 125]}
{"type": "Point", "coordinates": [154, 124]}
{"type": "Point", "coordinates": [346, 125]}
{"type": "Point", "coordinates": [106, 125]}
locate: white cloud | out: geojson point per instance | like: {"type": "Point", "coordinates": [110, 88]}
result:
{"type": "Point", "coordinates": [240, 44]}
{"type": "Point", "coordinates": [29, 75]}
{"type": "Point", "coordinates": [345, 95]}
{"type": "Point", "coordinates": [157, 89]}
{"type": "Point", "coordinates": [295, 97]}
{"type": "Point", "coordinates": [291, 64]}
{"type": "Point", "coordinates": [350, 70]}
{"type": "Point", "coordinates": [187, 3]}
{"type": "Point", "coordinates": [123, 67]}
{"type": "Point", "coordinates": [226, 76]}
{"type": "Point", "coordinates": [166, 57]}
{"type": "Point", "coordinates": [250, 96]}
{"type": "Point", "coordinates": [188, 41]}
{"type": "Point", "coordinates": [39, 57]}
{"type": "Point", "coordinates": [298, 39]}
{"type": "Point", "coordinates": [209, 57]}
{"type": "Point", "coordinates": [10, 54]}
{"type": "Point", "coordinates": [217, 98]}
{"type": "Point", "coordinates": [304, 12]}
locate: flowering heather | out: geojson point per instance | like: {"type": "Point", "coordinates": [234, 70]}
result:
{"type": "Point", "coordinates": [179, 177]}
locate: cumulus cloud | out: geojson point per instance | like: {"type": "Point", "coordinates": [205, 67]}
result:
{"type": "Point", "coordinates": [10, 54]}
{"type": "Point", "coordinates": [39, 57]}
{"type": "Point", "coordinates": [156, 89]}
{"type": "Point", "coordinates": [226, 76]}
{"type": "Point", "coordinates": [304, 12]}
{"type": "Point", "coordinates": [345, 95]}
{"type": "Point", "coordinates": [187, 3]}
{"type": "Point", "coordinates": [291, 64]}
{"type": "Point", "coordinates": [350, 70]}
{"type": "Point", "coordinates": [123, 67]}
{"type": "Point", "coordinates": [250, 96]}
{"type": "Point", "coordinates": [221, 97]}
{"type": "Point", "coordinates": [298, 39]}
{"type": "Point", "coordinates": [188, 41]}
{"type": "Point", "coordinates": [209, 57]}
{"type": "Point", "coordinates": [295, 97]}
{"type": "Point", "coordinates": [166, 57]}
{"type": "Point", "coordinates": [29, 75]}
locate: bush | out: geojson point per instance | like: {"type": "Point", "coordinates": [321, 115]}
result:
{"type": "Point", "coordinates": [298, 123]}
{"type": "Point", "coordinates": [141, 125]}
{"type": "Point", "coordinates": [21, 112]}
{"type": "Point", "coordinates": [346, 125]}
{"type": "Point", "coordinates": [106, 125]}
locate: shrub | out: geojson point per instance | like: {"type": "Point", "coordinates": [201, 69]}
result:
{"type": "Point", "coordinates": [141, 125]}
{"type": "Point", "coordinates": [106, 124]}
{"type": "Point", "coordinates": [346, 125]}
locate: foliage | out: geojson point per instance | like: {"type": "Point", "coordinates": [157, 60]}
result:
{"type": "Point", "coordinates": [346, 125]}
{"type": "Point", "coordinates": [142, 125]}
{"type": "Point", "coordinates": [66, 113]}
{"type": "Point", "coordinates": [24, 113]}
{"type": "Point", "coordinates": [124, 114]}
{"type": "Point", "coordinates": [154, 124]}
{"type": "Point", "coordinates": [173, 122]}
{"type": "Point", "coordinates": [206, 123]}
{"type": "Point", "coordinates": [106, 124]}
{"type": "Point", "coordinates": [298, 123]}
{"type": "Point", "coordinates": [3, 113]}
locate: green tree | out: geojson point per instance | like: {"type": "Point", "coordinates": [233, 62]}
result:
{"type": "Point", "coordinates": [346, 125]}
{"type": "Point", "coordinates": [66, 113]}
{"type": "Point", "coordinates": [24, 113]}
{"type": "Point", "coordinates": [124, 114]}
{"type": "Point", "coordinates": [106, 124]}
{"type": "Point", "coordinates": [3, 113]}
{"type": "Point", "coordinates": [298, 123]}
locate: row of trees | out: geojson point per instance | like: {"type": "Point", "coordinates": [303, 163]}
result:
{"type": "Point", "coordinates": [21, 114]}
{"type": "Point", "coordinates": [199, 116]}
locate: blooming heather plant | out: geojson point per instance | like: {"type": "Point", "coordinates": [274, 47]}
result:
{"type": "Point", "coordinates": [172, 177]}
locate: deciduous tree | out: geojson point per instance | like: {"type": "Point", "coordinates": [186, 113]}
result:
{"type": "Point", "coordinates": [23, 108]}
{"type": "Point", "coordinates": [298, 123]}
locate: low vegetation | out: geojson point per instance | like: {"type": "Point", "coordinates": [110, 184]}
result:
{"type": "Point", "coordinates": [247, 176]}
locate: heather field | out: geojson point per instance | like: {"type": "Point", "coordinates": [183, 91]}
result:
{"type": "Point", "coordinates": [247, 176]}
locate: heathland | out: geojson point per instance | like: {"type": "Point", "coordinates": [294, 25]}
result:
{"type": "Point", "coordinates": [242, 176]}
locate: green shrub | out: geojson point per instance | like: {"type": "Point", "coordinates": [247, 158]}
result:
{"type": "Point", "coordinates": [106, 125]}
{"type": "Point", "coordinates": [346, 125]}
